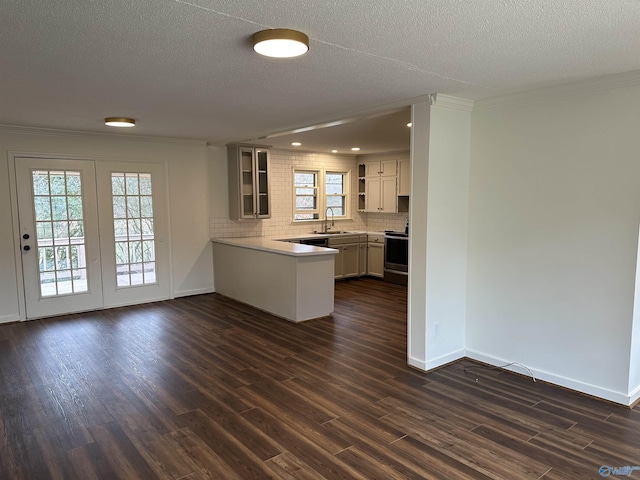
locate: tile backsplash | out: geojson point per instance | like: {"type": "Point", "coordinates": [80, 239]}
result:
{"type": "Point", "coordinates": [281, 188]}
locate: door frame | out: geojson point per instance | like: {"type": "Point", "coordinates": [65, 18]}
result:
{"type": "Point", "coordinates": [12, 157]}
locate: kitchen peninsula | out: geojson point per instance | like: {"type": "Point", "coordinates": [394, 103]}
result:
{"type": "Point", "coordinates": [289, 280]}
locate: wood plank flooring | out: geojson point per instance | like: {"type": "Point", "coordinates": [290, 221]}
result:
{"type": "Point", "coordinates": [205, 388]}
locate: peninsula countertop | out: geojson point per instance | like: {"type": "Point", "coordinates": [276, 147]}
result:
{"type": "Point", "coordinates": [276, 245]}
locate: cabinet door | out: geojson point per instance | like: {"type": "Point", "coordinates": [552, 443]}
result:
{"type": "Point", "coordinates": [351, 260]}
{"type": "Point", "coordinates": [375, 264]}
{"type": "Point", "coordinates": [404, 178]}
{"type": "Point", "coordinates": [372, 198]}
{"type": "Point", "coordinates": [247, 181]}
{"type": "Point", "coordinates": [339, 262]}
{"type": "Point", "coordinates": [261, 168]}
{"type": "Point", "coordinates": [362, 269]}
{"type": "Point", "coordinates": [388, 199]}
{"type": "Point", "coordinates": [372, 169]}
{"type": "Point", "coordinates": [388, 168]}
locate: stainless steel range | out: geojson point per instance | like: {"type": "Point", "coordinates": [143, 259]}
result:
{"type": "Point", "coordinates": [396, 257]}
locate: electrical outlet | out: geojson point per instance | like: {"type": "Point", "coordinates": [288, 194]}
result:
{"type": "Point", "coordinates": [436, 329]}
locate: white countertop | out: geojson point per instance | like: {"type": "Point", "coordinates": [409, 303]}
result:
{"type": "Point", "coordinates": [281, 245]}
{"type": "Point", "coordinates": [274, 245]}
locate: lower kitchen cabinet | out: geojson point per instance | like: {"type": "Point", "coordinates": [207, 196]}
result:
{"type": "Point", "coordinates": [358, 255]}
{"type": "Point", "coordinates": [375, 259]}
{"type": "Point", "coordinates": [362, 269]}
{"type": "Point", "coordinates": [347, 261]}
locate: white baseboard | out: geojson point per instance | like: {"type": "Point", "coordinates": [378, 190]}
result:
{"type": "Point", "coordinates": [436, 362]}
{"type": "Point", "coordinates": [419, 364]}
{"type": "Point", "coordinates": [594, 390]}
{"type": "Point", "coordinates": [10, 318]}
{"type": "Point", "coordinates": [634, 395]}
{"type": "Point", "coordinates": [444, 359]}
{"type": "Point", "coordinates": [198, 291]}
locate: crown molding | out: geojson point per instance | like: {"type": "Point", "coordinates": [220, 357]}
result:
{"type": "Point", "coordinates": [453, 103]}
{"type": "Point", "coordinates": [581, 87]}
{"type": "Point", "coordinates": [53, 132]}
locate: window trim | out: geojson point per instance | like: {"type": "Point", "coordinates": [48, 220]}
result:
{"type": "Point", "coordinates": [322, 195]}
{"type": "Point", "coordinates": [346, 179]}
{"type": "Point", "coordinates": [315, 212]}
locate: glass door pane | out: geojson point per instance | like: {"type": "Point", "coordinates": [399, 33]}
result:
{"type": "Point", "coordinates": [133, 227]}
{"type": "Point", "coordinates": [59, 215]}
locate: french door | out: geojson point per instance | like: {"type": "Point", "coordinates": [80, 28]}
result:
{"type": "Point", "coordinates": [58, 217]}
{"type": "Point", "coordinates": [133, 232]}
{"type": "Point", "coordinates": [92, 234]}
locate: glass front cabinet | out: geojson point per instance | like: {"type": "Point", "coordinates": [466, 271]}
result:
{"type": "Point", "coordinates": [248, 182]}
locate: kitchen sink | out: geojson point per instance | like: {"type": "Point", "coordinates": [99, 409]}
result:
{"type": "Point", "coordinates": [330, 232]}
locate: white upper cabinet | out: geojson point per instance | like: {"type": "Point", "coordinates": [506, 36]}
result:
{"type": "Point", "coordinates": [248, 182]}
{"type": "Point", "coordinates": [404, 177]}
{"type": "Point", "coordinates": [380, 186]}
{"type": "Point", "coordinates": [382, 168]}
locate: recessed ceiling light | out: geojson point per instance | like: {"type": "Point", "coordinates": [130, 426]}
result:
{"type": "Point", "coordinates": [119, 122]}
{"type": "Point", "coordinates": [334, 151]}
{"type": "Point", "coordinates": [409, 124]}
{"type": "Point", "coordinates": [296, 144]}
{"type": "Point", "coordinates": [355, 149]}
{"type": "Point", "coordinates": [280, 43]}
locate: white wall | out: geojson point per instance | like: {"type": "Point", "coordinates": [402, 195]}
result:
{"type": "Point", "coordinates": [438, 242]}
{"type": "Point", "coordinates": [554, 213]}
{"type": "Point", "coordinates": [417, 306]}
{"type": "Point", "coordinates": [188, 177]}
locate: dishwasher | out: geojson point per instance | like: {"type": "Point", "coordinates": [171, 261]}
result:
{"type": "Point", "coordinates": [316, 242]}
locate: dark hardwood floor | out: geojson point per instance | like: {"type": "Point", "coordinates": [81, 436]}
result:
{"type": "Point", "coordinates": [203, 387]}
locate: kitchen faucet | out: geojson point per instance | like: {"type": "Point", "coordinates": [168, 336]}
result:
{"type": "Point", "coordinates": [326, 227]}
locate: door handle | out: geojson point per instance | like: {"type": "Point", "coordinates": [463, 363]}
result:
{"type": "Point", "coordinates": [26, 248]}
{"type": "Point", "coordinates": [25, 236]}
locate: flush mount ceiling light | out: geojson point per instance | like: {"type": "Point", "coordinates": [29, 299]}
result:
{"type": "Point", "coordinates": [296, 144]}
{"type": "Point", "coordinates": [280, 43]}
{"type": "Point", "coordinates": [355, 149]}
{"type": "Point", "coordinates": [119, 122]}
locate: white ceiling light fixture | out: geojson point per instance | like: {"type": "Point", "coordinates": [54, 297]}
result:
{"type": "Point", "coordinates": [334, 151]}
{"type": "Point", "coordinates": [409, 124]}
{"type": "Point", "coordinates": [280, 43]}
{"type": "Point", "coordinates": [119, 122]}
{"type": "Point", "coordinates": [355, 149]}
{"type": "Point", "coordinates": [296, 144]}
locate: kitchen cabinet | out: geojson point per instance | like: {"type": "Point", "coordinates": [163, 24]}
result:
{"type": "Point", "coordinates": [248, 182]}
{"type": "Point", "coordinates": [380, 168]}
{"type": "Point", "coordinates": [347, 261]}
{"type": "Point", "coordinates": [375, 256]}
{"type": "Point", "coordinates": [404, 185]}
{"type": "Point", "coordinates": [362, 261]}
{"type": "Point", "coordinates": [378, 182]}
{"type": "Point", "coordinates": [380, 194]}
{"type": "Point", "coordinates": [404, 177]}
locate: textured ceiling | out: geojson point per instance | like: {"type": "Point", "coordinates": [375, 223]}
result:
{"type": "Point", "coordinates": [186, 69]}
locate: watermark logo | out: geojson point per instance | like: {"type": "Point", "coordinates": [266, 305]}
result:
{"type": "Point", "coordinates": [606, 470]}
